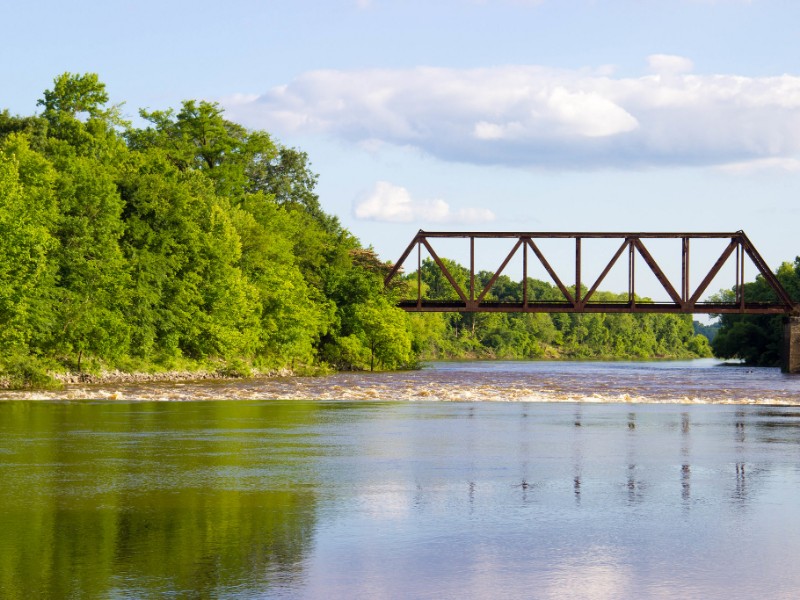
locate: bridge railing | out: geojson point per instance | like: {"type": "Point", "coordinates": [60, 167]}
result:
{"type": "Point", "coordinates": [683, 298]}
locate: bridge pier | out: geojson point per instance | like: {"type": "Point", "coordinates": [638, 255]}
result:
{"type": "Point", "coordinates": [790, 361]}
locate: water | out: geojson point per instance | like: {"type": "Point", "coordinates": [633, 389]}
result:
{"type": "Point", "coordinates": [688, 492]}
{"type": "Point", "coordinates": [685, 382]}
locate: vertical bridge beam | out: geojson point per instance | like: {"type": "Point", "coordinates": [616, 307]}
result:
{"type": "Point", "coordinates": [790, 362]}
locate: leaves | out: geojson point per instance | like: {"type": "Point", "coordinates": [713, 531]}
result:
{"type": "Point", "coordinates": [757, 339]}
{"type": "Point", "coordinates": [191, 238]}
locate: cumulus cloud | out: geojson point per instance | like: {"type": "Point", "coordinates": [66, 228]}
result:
{"type": "Point", "coordinates": [533, 116]}
{"type": "Point", "coordinates": [394, 204]}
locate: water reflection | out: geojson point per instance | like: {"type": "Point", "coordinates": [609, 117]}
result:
{"type": "Point", "coordinates": [577, 453]}
{"type": "Point", "coordinates": [363, 500]}
{"type": "Point", "coordinates": [740, 491]}
{"type": "Point", "coordinates": [739, 424]}
{"type": "Point", "coordinates": [633, 483]}
{"type": "Point", "coordinates": [153, 500]}
{"type": "Point", "coordinates": [686, 467]}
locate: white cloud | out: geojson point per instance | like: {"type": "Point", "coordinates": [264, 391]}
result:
{"type": "Point", "coordinates": [669, 64]}
{"type": "Point", "coordinates": [394, 204]}
{"type": "Point", "coordinates": [532, 116]}
{"type": "Point", "coordinates": [589, 113]}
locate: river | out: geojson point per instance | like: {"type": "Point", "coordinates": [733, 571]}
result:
{"type": "Point", "coordinates": [461, 480]}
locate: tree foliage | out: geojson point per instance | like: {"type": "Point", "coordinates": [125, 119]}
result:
{"type": "Point", "coordinates": [194, 241]}
{"type": "Point", "coordinates": [756, 339]}
{"type": "Point", "coordinates": [188, 239]}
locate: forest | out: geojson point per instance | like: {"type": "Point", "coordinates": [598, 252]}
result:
{"type": "Point", "coordinates": [193, 243]}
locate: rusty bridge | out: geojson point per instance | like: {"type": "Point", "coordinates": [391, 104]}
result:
{"type": "Point", "coordinates": [579, 295]}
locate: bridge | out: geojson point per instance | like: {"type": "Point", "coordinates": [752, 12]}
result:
{"type": "Point", "coordinates": [577, 297]}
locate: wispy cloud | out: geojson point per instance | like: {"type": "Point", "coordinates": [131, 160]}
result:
{"type": "Point", "coordinates": [770, 165]}
{"type": "Point", "coordinates": [394, 204]}
{"type": "Point", "coordinates": [533, 116]}
{"type": "Point", "coordinates": [669, 63]}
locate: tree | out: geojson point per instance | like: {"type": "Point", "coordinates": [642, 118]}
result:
{"type": "Point", "coordinates": [27, 269]}
{"type": "Point", "coordinates": [756, 339]}
{"type": "Point", "coordinates": [199, 138]}
{"type": "Point", "coordinates": [294, 314]}
{"type": "Point", "coordinates": [384, 330]}
{"type": "Point", "coordinates": [76, 113]}
{"type": "Point", "coordinates": [93, 276]}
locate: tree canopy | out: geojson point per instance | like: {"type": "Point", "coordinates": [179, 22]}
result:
{"type": "Point", "coordinates": [193, 241]}
{"type": "Point", "coordinates": [757, 339]}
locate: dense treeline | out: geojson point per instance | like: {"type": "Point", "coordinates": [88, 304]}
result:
{"type": "Point", "coordinates": [538, 335]}
{"type": "Point", "coordinates": [188, 240]}
{"type": "Point", "coordinates": [193, 242]}
{"type": "Point", "coordinates": [757, 339]}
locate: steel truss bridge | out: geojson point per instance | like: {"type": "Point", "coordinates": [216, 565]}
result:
{"type": "Point", "coordinates": [683, 298]}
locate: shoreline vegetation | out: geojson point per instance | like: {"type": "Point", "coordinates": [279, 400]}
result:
{"type": "Point", "coordinates": [191, 247]}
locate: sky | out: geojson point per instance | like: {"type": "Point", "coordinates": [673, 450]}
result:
{"type": "Point", "coordinates": [498, 115]}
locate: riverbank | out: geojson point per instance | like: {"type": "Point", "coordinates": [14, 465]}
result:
{"type": "Point", "coordinates": [33, 381]}
{"type": "Point", "coordinates": [121, 377]}
{"type": "Point", "coordinates": [57, 380]}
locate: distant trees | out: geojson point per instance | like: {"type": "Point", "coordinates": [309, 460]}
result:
{"type": "Point", "coordinates": [525, 335]}
{"type": "Point", "coordinates": [757, 339]}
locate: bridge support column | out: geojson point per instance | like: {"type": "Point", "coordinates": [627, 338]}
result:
{"type": "Point", "coordinates": [790, 361]}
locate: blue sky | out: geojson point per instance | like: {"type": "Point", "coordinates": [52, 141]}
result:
{"type": "Point", "coordinates": [537, 115]}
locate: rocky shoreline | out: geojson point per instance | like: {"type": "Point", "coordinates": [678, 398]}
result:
{"type": "Point", "coordinates": [107, 377]}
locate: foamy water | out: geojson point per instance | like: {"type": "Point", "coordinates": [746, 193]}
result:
{"type": "Point", "coordinates": [676, 382]}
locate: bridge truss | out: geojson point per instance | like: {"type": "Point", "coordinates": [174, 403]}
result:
{"type": "Point", "coordinates": [683, 299]}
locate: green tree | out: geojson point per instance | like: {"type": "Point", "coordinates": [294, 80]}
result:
{"type": "Point", "coordinates": [385, 332]}
{"type": "Point", "coordinates": [294, 314]}
{"type": "Point", "coordinates": [27, 270]}
{"type": "Point", "coordinates": [92, 274]}
{"type": "Point", "coordinates": [756, 339]}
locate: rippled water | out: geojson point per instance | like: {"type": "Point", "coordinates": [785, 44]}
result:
{"type": "Point", "coordinates": [695, 382]}
{"type": "Point", "coordinates": [308, 497]}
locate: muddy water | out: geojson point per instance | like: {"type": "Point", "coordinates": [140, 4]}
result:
{"type": "Point", "coordinates": [641, 481]}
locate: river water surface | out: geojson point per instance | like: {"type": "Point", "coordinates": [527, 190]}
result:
{"type": "Point", "coordinates": [462, 480]}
